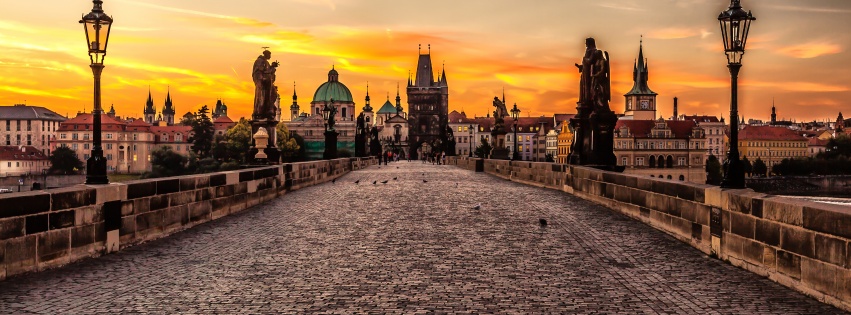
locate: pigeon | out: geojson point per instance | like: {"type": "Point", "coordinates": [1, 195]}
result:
{"type": "Point", "coordinates": [542, 222]}
{"type": "Point", "coordinates": [425, 181]}
{"type": "Point", "coordinates": [397, 167]}
{"type": "Point", "coordinates": [375, 181]}
{"type": "Point", "coordinates": [394, 178]}
{"type": "Point", "coordinates": [357, 182]}
{"type": "Point", "coordinates": [385, 182]}
{"type": "Point", "coordinates": [478, 206]}
{"type": "Point", "coordinates": [334, 181]}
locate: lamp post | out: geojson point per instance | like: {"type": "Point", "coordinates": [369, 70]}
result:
{"type": "Point", "coordinates": [97, 25]}
{"type": "Point", "coordinates": [471, 141]}
{"type": "Point", "coordinates": [515, 113]}
{"type": "Point", "coordinates": [735, 24]}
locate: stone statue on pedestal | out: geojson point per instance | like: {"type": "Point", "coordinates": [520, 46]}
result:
{"type": "Point", "coordinates": [265, 107]}
{"type": "Point", "coordinates": [594, 123]}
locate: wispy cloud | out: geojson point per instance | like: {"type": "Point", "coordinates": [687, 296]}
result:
{"type": "Point", "coordinates": [810, 50]}
{"type": "Point", "coordinates": [624, 6]}
{"type": "Point", "coordinates": [238, 20]}
{"type": "Point", "coordinates": [677, 33]}
{"type": "Point", "coordinates": [810, 9]}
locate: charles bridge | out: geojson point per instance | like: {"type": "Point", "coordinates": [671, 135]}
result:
{"type": "Point", "coordinates": [305, 237]}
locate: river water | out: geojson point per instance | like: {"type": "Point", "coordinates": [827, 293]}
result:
{"type": "Point", "coordinates": [830, 200]}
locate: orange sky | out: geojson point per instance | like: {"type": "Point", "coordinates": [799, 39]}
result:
{"type": "Point", "coordinates": [796, 55]}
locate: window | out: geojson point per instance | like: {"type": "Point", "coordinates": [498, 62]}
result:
{"type": "Point", "coordinates": [8, 125]}
{"type": "Point", "coordinates": [29, 140]}
{"type": "Point", "coordinates": [681, 161]}
{"type": "Point", "coordinates": [18, 139]}
{"type": "Point", "coordinates": [18, 125]}
{"type": "Point", "coordinates": [74, 136]}
{"type": "Point", "coordinates": [639, 161]}
{"type": "Point", "coordinates": [8, 140]}
{"type": "Point", "coordinates": [109, 136]}
{"type": "Point", "coordinates": [109, 157]}
{"type": "Point", "coordinates": [109, 146]}
{"type": "Point", "coordinates": [178, 137]}
{"type": "Point", "coordinates": [460, 129]}
{"type": "Point", "coordinates": [164, 137]}
{"type": "Point", "coordinates": [85, 156]}
{"type": "Point", "coordinates": [29, 125]}
{"type": "Point", "coordinates": [135, 137]}
{"type": "Point", "coordinates": [623, 161]}
{"type": "Point", "coordinates": [85, 146]}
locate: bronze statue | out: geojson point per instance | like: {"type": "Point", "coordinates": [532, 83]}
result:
{"type": "Point", "coordinates": [593, 125]}
{"type": "Point", "coordinates": [595, 82]}
{"type": "Point", "coordinates": [332, 112]}
{"type": "Point", "coordinates": [265, 95]}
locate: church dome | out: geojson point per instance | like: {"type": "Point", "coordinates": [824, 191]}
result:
{"type": "Point", "coordinates": [333, 89]}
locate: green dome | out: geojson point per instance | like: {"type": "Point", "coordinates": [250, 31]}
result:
{"type": "Point", "coordinates": [333, 89]}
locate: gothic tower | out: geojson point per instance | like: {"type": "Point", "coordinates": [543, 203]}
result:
{"type": "Point", "coordinates": [773, 113]}
{"type": "Point", "coordinates": [428, 109]}
{"type": "Point", "coordinates": [150, 112]}
{"type": "Point", "coordinates": [368, 115]}
{"type": "Point", "coordinates": [168, 110]}
{"type": "Point", "coordinates": [294, 108]}
{"type": "Point", "coordinates": [640, 100]}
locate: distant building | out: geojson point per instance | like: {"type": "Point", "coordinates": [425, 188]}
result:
{"type": "Point", "coordinates": [165, 116]}
{"type": "Point", "coordinates": [428, 106]}
{"type": "Point", "coordinates": [24, 125]}
{"type": "Point", "coordinates": [220, 109]}
{"type": "Point", "coordinates": [771, 144]}
{"type": "Point", "coordinates": [552, 143]}
{"type": "Point", "coordinates": [392, 123]}
{"type": "Point", "coordinates": [126, 146]}
{"type": "Point", "coordinates": [565, 140]}
{"type": "Point", "coordinates": [311, 125]}
{"type": "Point", "coordinates": [22, 160]}
{"type": "Point", "coordinates": [816, 146]}
{"type": "Point", "coordinates": [465, 136]}
{"type": "Point", "coordinates": [640, 100]}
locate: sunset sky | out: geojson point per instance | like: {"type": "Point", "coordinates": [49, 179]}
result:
{"type": "Point", "coordinates": [797, 52]}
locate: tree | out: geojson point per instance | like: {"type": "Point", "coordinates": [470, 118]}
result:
{"type": "Point", "coordinates": [165, 163]}
{"type": "Point", "coordinates": [288, 145]}
{"type": "Point", "coordinates": [238, 141]}
{"type": "Point", "coordinates": [302, 151]}
{"type": "Point", "coordinates": [549, 158]}
{"type": "Point", "coordinates": [836, 147]}
{"type": "Point", "coordinates": [759, 167]}
{"type": "Point", "coordinates": [747, 166]}
{"type": "Point", "coordinates": [713, 171]}
{"type": "Point", "coordinates": [188, 119]}
{"type": "Point", "coordinates": [484, 149]}
{"type": "Point", "coordinates": [63, 160]}
{"type": "Point", "coordinates": [202, 129]}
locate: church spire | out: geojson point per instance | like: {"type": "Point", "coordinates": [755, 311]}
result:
{"type": "Point", "coordinates": [367, 107]}
{"type": "Point", "coordinates": [640, 74]}
{"type": "Point", "coordinates": [398, 100]}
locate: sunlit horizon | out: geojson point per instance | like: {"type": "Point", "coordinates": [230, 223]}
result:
{"type": "Point", "coordinates": [796, 56]}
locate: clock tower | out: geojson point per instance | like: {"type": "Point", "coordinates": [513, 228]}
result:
{"type": "Point", "coordinates": [640, 100]}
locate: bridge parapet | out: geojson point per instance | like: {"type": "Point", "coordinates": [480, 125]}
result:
{"type": "Point", "coordinates": [45, 229]}
{"type": "Point", "coordinates": [800, 244]}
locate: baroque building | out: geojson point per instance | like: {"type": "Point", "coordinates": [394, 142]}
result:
{"type": "Point", "coordinates": [165, 117]}
{"type": "Point", "coordinates": [24, 125]}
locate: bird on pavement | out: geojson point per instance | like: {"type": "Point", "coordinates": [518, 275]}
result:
{"type": "Point", "coordinates": [542, 222]}
{"type": "Point", "coordinates": [375, 181]}
{"type": "Point", "coordinates": [357, 182]}
{"type": "Point", "coordinates": [334, 181]}
{"type": "Point", "coordinates": [478, 206]}
{"type": "Point", "coordinates": [425, 181]}
{"type": "Point", "coordinates": [394, 178]}
{"type": "Point", "coordinates": [385, 182]}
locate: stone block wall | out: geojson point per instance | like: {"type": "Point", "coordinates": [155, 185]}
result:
{"type": "Point", "coordinates": [45, 229]}
{"type": "Point", "coordinates": [800, 244]}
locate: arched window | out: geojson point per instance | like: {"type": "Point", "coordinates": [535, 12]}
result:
{"type": "Point", "coordinates": [670, 161]}
{"type": "Point", "coordinates": [652, 161]}
{"type": "Point", "coordinates": [682, 178]}
{"type": "Point", "coordinates": [669, 177]}
{"type": "Point", "coordinates": [661, 161]}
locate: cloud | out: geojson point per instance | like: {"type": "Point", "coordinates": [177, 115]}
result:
{"type": "Point", "coordinates": [235, 19]}
{"type": "Point", "coordinates": [810, 9]}
{"type": "Point", "coordinates": [810, 50]}
{"type": "Point", "coordinates": [631, 6]}
{"type": "Point", "coordinates": [26, 91]}
{"type": "Point", "coordinates": [677, 33]}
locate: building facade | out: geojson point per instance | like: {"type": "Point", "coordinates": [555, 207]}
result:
{"type": "Point", "coordinates": [428, 106]}
{"type": "Point", "coordinates": [22, 160]}
{"type": "Point", "coordinates": [771, 144]}
{"type": "Point", "coordinates": [23, 125]}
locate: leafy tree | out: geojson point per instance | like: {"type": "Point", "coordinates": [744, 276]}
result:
{"type": "Point", "coordinates": [302, 151]}
{"type": "Point", "coordinates": [713, 171]}
{"type": "Point", "coordinates": [549, 158]}
{"type": "Point", "coordinates": [63, 160]}
{"type": "Point", "coordinates": [238, 141]}
{"type": "Point", "coordinates": [288, 145]}
{"type": "Point", "coordinates": [220, 148]}
{"type": "Point", "coordinates": [747, 166]}
{"type": "Point", "coordinates": [202, 127]}
{"type": "Point", "coordinates": [165, 163]}
{"type": "Point", "coordinates": [836, 147]}
{"type": "Point", "coordinates": [188, 119]}
{"type": "Point", "coordinates": [759, 167]}
{"type": "Point", "coordinates": [201, 166]}
{"type": "Point", "coordinates": [484, 149]}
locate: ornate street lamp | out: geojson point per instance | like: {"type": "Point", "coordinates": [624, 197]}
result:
{"type": "Point", "coordinates": [471, 141]}
{"type": "Point", "coordinates": [735, 24]}
{"type": "Point", "coordinates": [97, 25]}
{"type": "Point", "coordinates": [326, 112]}
{"type": "Point", "coordinates": [515, 113]}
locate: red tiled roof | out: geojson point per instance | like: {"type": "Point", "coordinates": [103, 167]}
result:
{"type": "Point", "coordinates": [563, 117]}
{"type": "Point", "coordinates": [701, 118]}
{"type": "Point", "coordinates": [84, 119]}
{"type": "Point", "coordinates": [171, 129]}
{"type": "Point", "coordinates": [642, 128]}
{"type": "Point", "coordinates": [223, 119]}
{"type": "Point", "coordinates": [25, 153]}
{"type": "Point", "coordinates": [816, 142]}
{"type": "Point", "coordinates": [769, 133]}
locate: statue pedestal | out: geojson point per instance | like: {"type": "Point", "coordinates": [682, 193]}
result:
{"type": "Point", "coordinates": [593, 142]}
{"type": "Point", "coordinates": [499, 151]}
{"type": "Point", "coordinates": [273, 155]}
{"type": "Point", "coordinates": [330, 145]}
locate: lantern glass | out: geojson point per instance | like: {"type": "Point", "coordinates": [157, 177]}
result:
{"type": "Point", "coordinates": [97, 26]}
{"type": "Point", "coordinates": [471, 129]}
{"type": "Point", "coordinates": [735, 25]}
{"type": "Point", "coordinates": [515, 112]}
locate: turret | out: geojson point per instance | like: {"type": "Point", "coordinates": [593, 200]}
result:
{"type": "Point", "coordinates": [367, 110]}
{"type": "Point", "coordinates": [398, 101]}
{"type": "Point", "coordinates": [294, 108]}
{"type": "Point", "coordinates": [149, 111]}
{"type": "Point", "coordinates": [168, 110]}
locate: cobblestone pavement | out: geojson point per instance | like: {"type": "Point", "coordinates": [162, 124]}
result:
{"type": "Point", "coordinates": [409, 247]}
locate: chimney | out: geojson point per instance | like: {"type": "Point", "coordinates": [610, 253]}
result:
{"type": "Point", "coordinates": [675, 108]}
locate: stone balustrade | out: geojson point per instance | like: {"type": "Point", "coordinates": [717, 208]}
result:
{"type": "Point", "coordinates": [799, 244]}
{"type": "Point", "coordinates": [46, 229]}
